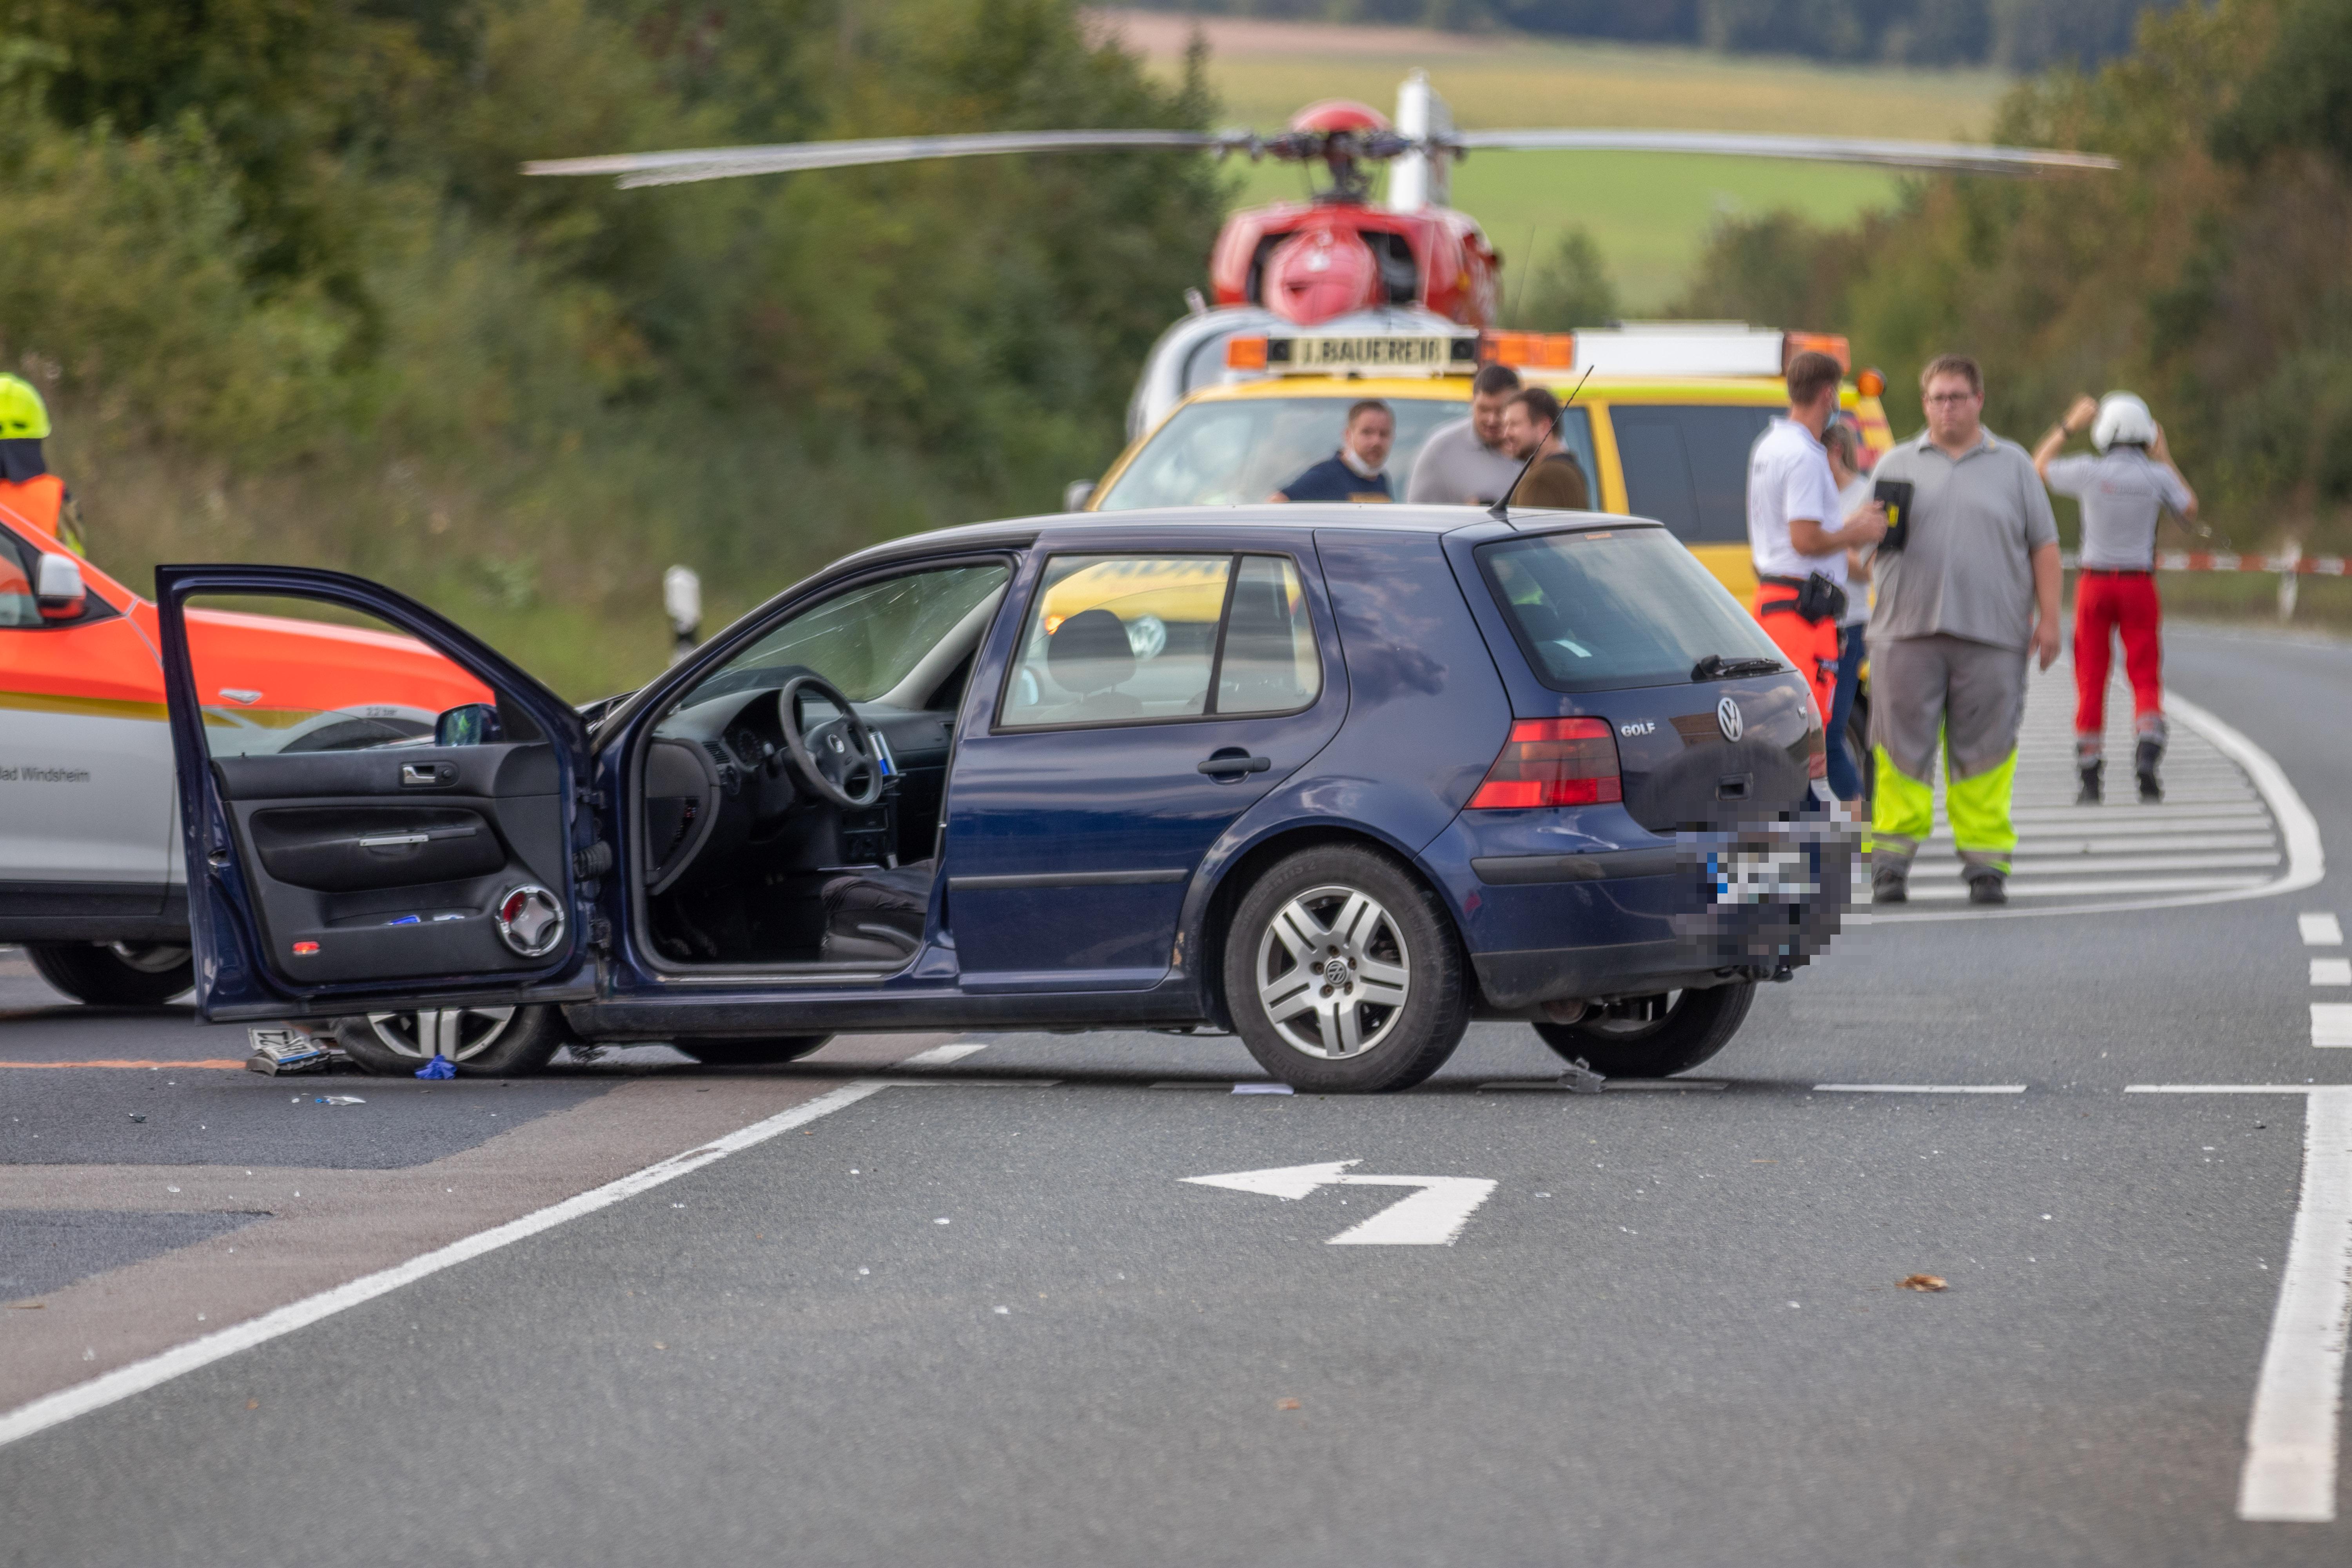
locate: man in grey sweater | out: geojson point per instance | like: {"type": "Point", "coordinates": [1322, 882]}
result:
{"type": "Point", "coordinates": [1465, 462]}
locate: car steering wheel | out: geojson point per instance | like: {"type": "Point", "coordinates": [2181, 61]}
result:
{"type": "Point", "coordinates": [835, 755]}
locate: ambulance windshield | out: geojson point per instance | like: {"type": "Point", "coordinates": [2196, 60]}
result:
{"type": "Point", "coordinates": [1234, 451]}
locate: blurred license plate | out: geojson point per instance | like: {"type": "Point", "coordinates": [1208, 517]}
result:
{"type": "Point", "coordinates": [1763, 875]}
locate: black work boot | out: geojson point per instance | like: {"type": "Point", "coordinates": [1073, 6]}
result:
{"type": "Point", "coordinates": [2090, 794]}
{"type": "Point", "coordinates": [2143, 761]}
{"type": "Point", "coordinates": [1890, 883]}
{"type": "Point", "coordinates": [1986, 886]}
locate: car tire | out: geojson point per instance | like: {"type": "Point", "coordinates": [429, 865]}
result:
{"type": "Point", "coordinates": [1695, 1025]}
{"type": "Point", "coordinates": [1392, 996]}
{"type": "Point", "coordinates": [766, 1053]}
{"type": "Point", "coordinates": [480, 1042]}
{"type": "Point", "coordinates": [115, 973]}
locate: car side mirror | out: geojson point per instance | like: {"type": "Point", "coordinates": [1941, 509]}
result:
{"type": "Point", "coordinates": [57, 588]}
{"type": "Point", "coordinates": [473, 724]}
{"type": "Point", "coordinates": [1077, 493]}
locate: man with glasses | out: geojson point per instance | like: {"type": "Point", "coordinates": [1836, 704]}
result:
{"type": "Point", "coordinates": [1971, 594]}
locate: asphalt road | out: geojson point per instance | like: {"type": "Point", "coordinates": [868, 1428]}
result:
{"type": "Point", "coordinates": [980, 1315]}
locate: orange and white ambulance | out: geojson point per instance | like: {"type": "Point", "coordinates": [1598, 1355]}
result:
{"type": "Point", "coordinates": [93, 878]}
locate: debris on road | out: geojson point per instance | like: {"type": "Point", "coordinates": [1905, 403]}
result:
{"type": "Point", "coordinates": [1261, 1088]}
{"type": "Point", "coordinates": [1286, 1404]}
{"type": "Point", "coordinates": [136, 1116]}
{"type": "Point", "coordinates": [1923, 1282]}
{"type": "Point", "coordinates": [1578, 1077]}
{"type": "Point", "coordinates": [437, 1068]}
{"type": "Point", "coordinates": [277, 1051]}
{"type": "Point", "coordinates": [337, 1100]}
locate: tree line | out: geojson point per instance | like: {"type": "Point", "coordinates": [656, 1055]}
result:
{"type": "Point", "coordinates": [2013, 34]}
{"type": "Point", "coordinates": [275, 265]}
{"type": "Point", "coordinates": [2210, 274]}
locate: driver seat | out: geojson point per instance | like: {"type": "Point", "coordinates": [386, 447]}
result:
{"type": "Point", "coordinates": [876, 914]}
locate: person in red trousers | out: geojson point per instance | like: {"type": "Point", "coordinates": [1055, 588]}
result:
{"type": "Point", "coordinates": [2124, 490]}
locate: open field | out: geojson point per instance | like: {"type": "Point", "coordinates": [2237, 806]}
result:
{"type": "Point", "coordinates": [1649, 213]}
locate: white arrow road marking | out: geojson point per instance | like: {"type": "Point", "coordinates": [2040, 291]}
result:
{"type": "Point", "coordinates": [1433, 1217]}
{"type": "Point", "coordinates": [2289, 1472]}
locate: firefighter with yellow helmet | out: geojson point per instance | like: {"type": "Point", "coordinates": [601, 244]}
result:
{"type": "Point", "coordinates": [27, 489]}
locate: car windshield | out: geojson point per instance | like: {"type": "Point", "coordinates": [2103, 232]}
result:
{"type": "Point", "coordinates": [866, 641]}
{"type": "Point", "coordinates": [1234, 451]}
{"type": "Point", "coordinates": [1616, 607]}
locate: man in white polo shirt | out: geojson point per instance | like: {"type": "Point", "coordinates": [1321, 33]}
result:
{"type": "Point", "coordinates": [1793, 529]}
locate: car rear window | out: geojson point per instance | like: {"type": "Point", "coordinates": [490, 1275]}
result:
{"type": "Point", "coordinates": [1686, 465]}
{"type": "Point", "coordinates": [1598, 609]}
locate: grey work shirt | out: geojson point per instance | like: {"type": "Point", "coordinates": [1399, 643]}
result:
{"type": "Point", "coordinates": [1454, 469]}
{"type": "Point", "coordinates": [1967, 566]}
{"type": "Point", "coordinates": [2123, 492]}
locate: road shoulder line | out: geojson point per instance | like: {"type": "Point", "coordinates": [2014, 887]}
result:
{"type": "Point", "coordinates": [109, 1388]}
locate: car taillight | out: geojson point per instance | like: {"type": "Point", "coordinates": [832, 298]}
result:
{"type": "Point", "coordinates": [1552, 762]}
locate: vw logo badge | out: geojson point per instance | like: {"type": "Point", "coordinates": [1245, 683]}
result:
{"type": "Point", "coordinates": [1728, 719]}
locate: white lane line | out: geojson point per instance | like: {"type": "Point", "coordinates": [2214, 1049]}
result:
{"type": "Point", "coordinates": [2331, 971]}
{"type": "Point", "coordinates": [2320, 929]}
{"type": "Point", "coordinates": [2289, 1472]}
{"type": "Point", "coordinates": [107, 1389]}
{"type": "Point", "coordinates": [2092, 828]}
{"type": "Point", "coordinates": [2331, 1023]}
{"type": "Point", "coordinates": [2031, 889]}
{"type": "Point", "coordinates": [1919, 1088]}
{"type": "Point", "coordinates": [2225, 1087]}
{"type": "Point", "coordinates": [941, 1056]}
{"type": "Point", "coordinates": [2142, 843]}
{"type": "Point", "coordinates": [2041, 863]}
{"type": "Point", "coordinates": [2298, 832]}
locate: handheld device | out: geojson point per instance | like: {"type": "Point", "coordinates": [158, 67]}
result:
{"type": "Point", "coordinates": [1896, 496]}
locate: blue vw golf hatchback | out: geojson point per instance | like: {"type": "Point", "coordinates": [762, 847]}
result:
{"type": "Point", "coordinates": [1338, 779]}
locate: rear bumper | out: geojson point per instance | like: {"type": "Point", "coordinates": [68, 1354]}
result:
{"type": "Point", "coordinates": [1585, 905]}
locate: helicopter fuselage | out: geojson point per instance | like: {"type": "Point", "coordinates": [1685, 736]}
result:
{"type": "Point", "coordinates": [1310, 261]}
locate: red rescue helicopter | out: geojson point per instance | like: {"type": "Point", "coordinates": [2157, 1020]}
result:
{"type": "Point", "coordinates": [1309, 262]}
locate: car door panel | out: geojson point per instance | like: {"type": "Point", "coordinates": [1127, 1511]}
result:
{"type": "Point", "coordinates": [394, 870]}
{"type": "Point", "coordinates": [1069, 849]}
{"type": "Point", "coordinates": [383, 887]}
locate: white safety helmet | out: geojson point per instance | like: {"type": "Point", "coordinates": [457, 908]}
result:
{"type": "Point", "coordinates": [2124, 420]}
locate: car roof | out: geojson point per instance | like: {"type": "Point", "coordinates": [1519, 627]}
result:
{"type": "Point", "coordinates": [1376, 516]}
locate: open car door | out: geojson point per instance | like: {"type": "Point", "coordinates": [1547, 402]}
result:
{"type": "Point", "coordinates": [380, 813]}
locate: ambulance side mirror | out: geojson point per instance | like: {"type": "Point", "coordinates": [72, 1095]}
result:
{"type": "Point", "coordinates": [56, 588]}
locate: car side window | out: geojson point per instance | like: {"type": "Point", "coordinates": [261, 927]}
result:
{"type": "Point", "coordinates": [1269, 663]}
{"type": "Point", "coordinates": [1686, 465]}
{"type": "Point", "coordinates": [1124, 639]}
{"type": "Point", "coordinates": [20, 565]}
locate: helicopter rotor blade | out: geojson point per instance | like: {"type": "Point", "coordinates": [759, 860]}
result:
{"type": "Point", "coordinates": [635, 169]}
{"type": "Point", "coordinates": [1950, 157]}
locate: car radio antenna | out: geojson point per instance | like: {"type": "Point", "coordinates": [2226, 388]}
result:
{"type": "Point", "coordinates": [1501, 511]}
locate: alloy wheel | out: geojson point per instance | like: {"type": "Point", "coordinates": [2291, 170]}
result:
{"type": "Point", "coordinates": [1332, 973]}
{"type": "Point", "coordinates": [460, 1034]}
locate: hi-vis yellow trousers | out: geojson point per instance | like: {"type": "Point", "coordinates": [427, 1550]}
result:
{"type": "Point", "coordinates": [1962, 699]}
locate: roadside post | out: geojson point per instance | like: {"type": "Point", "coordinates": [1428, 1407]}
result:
{"type": "Point", "coordinates": [682, 601]}
{"type": "Point", "coordinates": [2290, 579]}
